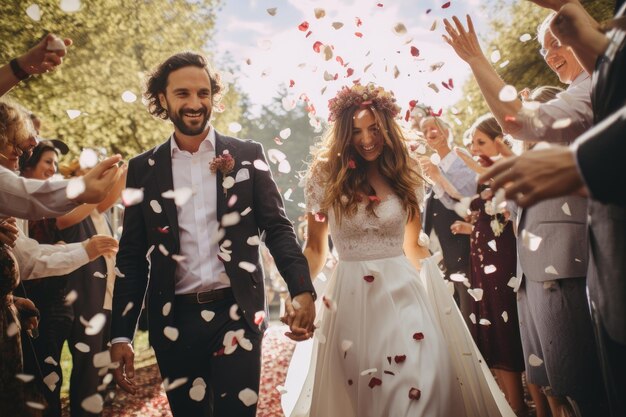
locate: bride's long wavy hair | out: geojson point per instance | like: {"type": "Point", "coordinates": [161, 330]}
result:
{"type": "Point", "coordinates": [346, 182]}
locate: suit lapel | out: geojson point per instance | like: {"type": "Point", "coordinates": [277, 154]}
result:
{"type": "Point", "coordinates": [165, 182]}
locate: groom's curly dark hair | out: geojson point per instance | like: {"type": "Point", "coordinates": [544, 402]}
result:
{"type": "Point", "coordinates": [157, 81]}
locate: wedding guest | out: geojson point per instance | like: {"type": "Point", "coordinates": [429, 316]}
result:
{"type": "Point", "coordinates": [49, 294]}
{"type": "Point", "coordinates": [439, 212]}
{"type": "Point", "coordinates": [590, 166]}
{"type": "Point", "coordinates": [34, 199]}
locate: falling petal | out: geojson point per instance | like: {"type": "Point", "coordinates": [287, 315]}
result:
{"type": "Point", "coordinates": [171, 333]}
{"type": "Point", "coordinates": [271, 11]}
{"type": "Point", "coordinates": [495, 56]}
{"type": "Point", "coordinates": [472, 318]}
{"type": "Point", "coordinates": [285, 133]}
{"type": "Point", "coordinates": [247, 266]}
{"type": "Point", "coordinates": [180, 195]}
{"type": "Point", "coordinates": [234, 127]}
{"type": "Point", "coordinates": [197, 393]}
{"type": "Point", "coordinates": [228, 183]}
{"type": "Point", "coordinates": [230, 219]}
{"type": "Point", "coordinates": [35, 405]}
{"type": "Point", "coordinates": [337, 25]}
{"type": "Point", "coordinates": [369, 371]}
{"type": "Point", "coordinates": [168, 386]}
{"type": "Point", "coordinates": [414, 51]}
{"type": "Point", "coordinates": [284, 167]}
{"type": "Point", "coordinates": [534, 360]}
{"type": "Point", "coordinates": [489, 269]}
{"type": "Point", "coordinates": [25, 377]}
{"type": "Point", "coordinates": [156, 207]}
{"type": "Point", "coordinates": [34, 12]}
{"type": "Point", "coordinates": [129, 97]}
{"type": "Point", "coordinates": [476, 293]}
{"type": "Point", "coordinates": [484, 322]}
{"type": "Point", "coordinates": [261, 165]}
{"type": "Point", "coordinates": [399, 29]}
{"type": "Point", "coordinates": [248, 397]}
{"type": "Point", "coordinates": [304, 26]}
{"type": "Point", "coordinates": [246, 211]}
{"type": "Point", "coordinates": [530, 241]}
{"type": "Point", "coordinates": [514, 283]}
{"type": "Point", "coordinates": [51, 380]}
{"type": "Point", "coordinates": [435, 159]}
{"type": "Point", "coordinates": [525, 37]}
{"type": "Point", "coordinates": [132, 196]}
{"type": "Point", "coordinates": [562, 123]}
{"type": "Point", "coordinates": [102, 359]}
{"type": "Point", "coordinates": [565, 208]}
{"type": "Point", "coordinates": [319, 13]}
{"type": "Point", "coordinates": [163, 249]}
{"type": "Point", "coordinates": [93, 404]}
{"type": "Point", "coordinates": [458, 277]}
{"type": "Point", "coordinates": [551, 270]}
{"type": "Point", "coordinates": [128, 307]}
{"type": "Point", "coordinates": [50, 360]}
{"type": "Point", "coordinates": [167, 307]}
{"type": "Point", "coordinates": [346, 345]}
{"type": "Point", "coordinates": [71, 297]}
{"type": "Point", "coordinates": [507, 94]}
{"type": "Point", "coordinates": [259, 317]}
{"type": "Point", "coordinates": [233, 312]}
{"type": "Point", "coordinates": [75, 187]}
{"type": "Point", "coordinates": [73, 114]}
{"type": "Point", "coordinates": [70, 6]}
{"type": "Point", "coordinates": [96, 324]}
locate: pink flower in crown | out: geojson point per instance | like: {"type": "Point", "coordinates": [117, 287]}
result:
{"type": "Point", "coordinates": [223, 163]}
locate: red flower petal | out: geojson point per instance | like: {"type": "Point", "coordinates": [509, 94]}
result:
{"type": "Point", "coordinates": [351, 164]}
{"type": "Point", "coordinates": [369, 278]}
{"type": "Point", "coordinates": [445, 5]}
{"type": "Point", "coordinates": [418, 336]}
{"type": "Point", "coordinates": [339, 59]}
{"type": "Point", "coordinates": [399, 358]}
{"type": "Point", "coordinates": [308, 33]}
{"type": "Point", "coordinates": [438, 114]}
{"type": "Point", "coordinates": [445, 84]}
{"type": "Point", "coordinates": [349, 72]}
{"type": "Point", "coordinates": [374, 198]}
{"type": "Point", "coordinates": [358, 21]}
{"type": "Point", "coordinates": [304, 26]}
{"type": "Point", "coordinates": [163, 230]}
{"type": "Point", "coordinates": [379, 4]}
{"type": "Point", "coordinates": [292, 83]}
{"type": "Point", "coordinates": [374, 382]}
{"type": "Point", "coordinates": [451, 83]}
{"type": "Point", "coordinates": [415, 394]}
{"type": "Point", "coordinates": [320, 217]}
{"type": "Point", "coordinates": [414, 51]}
{"type": "Point", "coordinates": [220, 352]}
{"type": "Point", "coordinates": [358, 34]}
{"type": "Point", "coordinates": [412, 103]}
{"type": "Point", "coordinates": [407, 115]}
{"type": "Point", "coordinates": [317, 46]}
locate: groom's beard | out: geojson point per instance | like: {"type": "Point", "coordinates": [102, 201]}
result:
{"type": "Point", "coordinates": [190, 129]}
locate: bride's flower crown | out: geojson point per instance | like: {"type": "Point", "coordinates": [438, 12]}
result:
{"type": "Point", "coordinates": [362, 96]}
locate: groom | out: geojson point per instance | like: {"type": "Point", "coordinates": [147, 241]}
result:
{"type": "Point", "coordinates": [195, 258]}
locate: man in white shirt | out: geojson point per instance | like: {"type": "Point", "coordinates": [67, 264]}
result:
{"type": "Point", "coordinates": [194, 252]}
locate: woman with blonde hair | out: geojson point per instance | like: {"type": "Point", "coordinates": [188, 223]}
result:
{"type": "Point", "coordinates": [381, 348]}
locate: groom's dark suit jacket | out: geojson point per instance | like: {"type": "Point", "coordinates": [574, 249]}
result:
{"type": "Point", "coordinates": [145, 230]}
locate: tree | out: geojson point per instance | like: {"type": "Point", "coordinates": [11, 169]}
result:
{"type": "Point", "coordinates": [116, 43]}
{"type": "Point", "coordinates": [520, 64]}
{"type": "Point", "coordinates": [266, 128]}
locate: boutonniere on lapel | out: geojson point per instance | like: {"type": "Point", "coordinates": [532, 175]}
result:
{"type": "Point", "coordinates": [224, 163]}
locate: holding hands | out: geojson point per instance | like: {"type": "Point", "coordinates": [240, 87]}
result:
{"type": "Point", "coordinates": [299, 316]}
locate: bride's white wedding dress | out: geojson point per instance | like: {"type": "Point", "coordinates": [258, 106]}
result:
{"type": "Point", "coordinates": [390, 341]}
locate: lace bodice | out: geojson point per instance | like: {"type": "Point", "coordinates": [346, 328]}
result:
{"type": "Point", "coordinates": [362, 236]}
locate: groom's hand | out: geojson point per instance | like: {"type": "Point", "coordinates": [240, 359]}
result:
{"type": "Point", "coordinates": [300, 320]}
{"type": "Point", "coordinates": [123, 354]}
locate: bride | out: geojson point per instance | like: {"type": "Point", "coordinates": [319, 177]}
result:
{"type": "Point", "coordinates": [389, 342]}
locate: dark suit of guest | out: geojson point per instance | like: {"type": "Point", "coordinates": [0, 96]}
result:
{"type": "Point", "coordinates": [600, 156]}
{"type": "Point", "coordinates": [455, 249]}
{"type": "Point", "coordinates": [188, 340]}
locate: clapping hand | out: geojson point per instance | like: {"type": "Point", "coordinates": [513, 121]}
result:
{"type": "Point", "coordinates": [299, 316]}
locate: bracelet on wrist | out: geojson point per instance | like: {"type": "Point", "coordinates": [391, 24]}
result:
{"type": "Point", "coordinates": [18, 71]}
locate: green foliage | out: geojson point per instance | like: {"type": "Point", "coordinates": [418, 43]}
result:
{"type": "Point", "coordinates": [116, 43]}
{"type": "Point", "coordinates": [526, 67]}
{"type": "Point", "coordinates": [266, 128]}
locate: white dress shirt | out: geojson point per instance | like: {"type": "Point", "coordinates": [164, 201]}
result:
{"type": "Point", "coordinates": [38, 260]}
{"type": "Point", "coordinates": [32, 199]}
{"type": "Point", "coordinates": [200, 269]}
{"type": "Point", "coordinates": [573, 104]}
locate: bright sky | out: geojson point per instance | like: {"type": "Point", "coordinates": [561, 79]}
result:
{"type": "Point", "coordinates": [271, 50]}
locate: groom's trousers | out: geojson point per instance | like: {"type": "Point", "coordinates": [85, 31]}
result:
{"type": "Point", "coordinates": [216, 383]}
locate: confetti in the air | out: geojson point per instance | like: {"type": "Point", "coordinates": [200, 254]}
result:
{"type": "Point", "coordinates": [34, 12]}
{"type": "Point", "coordinates": [129, 97]}
{"type": "Point", "coordinates": [508, 94]}
{"type": "Point", "coordinates": [70, 6]}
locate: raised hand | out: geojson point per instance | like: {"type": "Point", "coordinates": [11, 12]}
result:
{"type": "Point", "coordinates": [123, 354]}
{"type": "Point", "coordinates": [464, 42]}
{"type": "Point", "coordinates": [41, 58]}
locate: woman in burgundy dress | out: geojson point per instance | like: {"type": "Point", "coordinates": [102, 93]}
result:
{"type": "Point", "coordinates": [493, 263]}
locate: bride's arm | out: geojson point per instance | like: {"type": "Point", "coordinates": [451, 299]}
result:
{"type": "Point", "coordinates": [316, 248]}
{"type": "Point", "coordinates": [412, 248]}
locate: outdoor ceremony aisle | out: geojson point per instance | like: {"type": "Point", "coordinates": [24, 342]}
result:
{"type": "Point", "coordinates": [151, 401]}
